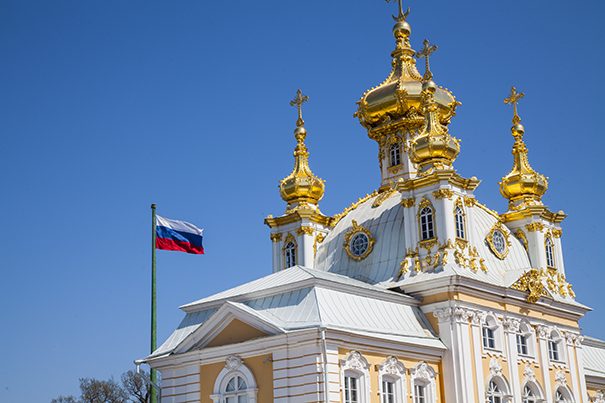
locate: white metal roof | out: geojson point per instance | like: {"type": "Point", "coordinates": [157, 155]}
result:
{"type": "Point", "coordinates": [593, 354]}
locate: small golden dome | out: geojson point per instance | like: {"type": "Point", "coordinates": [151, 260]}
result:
{"type": "Point", "coordinates": [433, 145]}
{"type": "Point", "coordinates": [301, 186]}
{"type": "Point", "coordinates": [399, 97]}
{"type": "Point", "coordinates": [522, 184]}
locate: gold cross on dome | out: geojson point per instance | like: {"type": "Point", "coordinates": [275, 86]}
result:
{"type": "Point", "coordinates": [426, 53]}
{"type": "Point", "coordinates": [513, 99]}
{"type": "Point", "coordinates": [401, 16]}
{"type": "Point", "coordinates": [298, 101]}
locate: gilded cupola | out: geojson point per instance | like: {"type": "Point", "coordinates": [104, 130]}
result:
{"type": "Point", "coordinates": [301, 187]}
{"type": "Point", "coordinates": [397, 102]}
{"type": "Point", "coordinates": [523, 185]}
{"type": "Point", "coordinates": [433, 147]}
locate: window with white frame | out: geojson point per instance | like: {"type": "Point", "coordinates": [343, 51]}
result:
{"type": "Point", "coordinates": [563, 395]}
{"type": "Point", "coordinates": [459, 216]}
{"type": "Point", "coordinates": [525, 340]}
{"type": "Point", "coordinates": [391, 378]}
{"type": "Point", "coordinates": [491, 332]}
{"type": "Point", "coordinates": [550, 257]}
{"type": "Point", "coordinates": [235, 383]}
{"type": "Point", "coordinates": [555, 346]}
{"type": "Point", "coordinates": [423, 383]}
{"type": "Point", "coordinates": [355, 378]}
{"type": "Point", "coordinates": [395, 154]}
{"type": "Point", "coordinates": [290, 254]}
{"type": "Point", "coordinates": [497, 389]}
{"type": "Point", "coordinates": [427, 230]}
{"type": "Point", "coordinates": [494, 393]}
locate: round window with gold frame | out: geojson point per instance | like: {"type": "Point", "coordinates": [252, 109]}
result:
{"type": "Point", "coordinates": [358, 242]}
{"type": "Point", "coordinates": [497, 240]}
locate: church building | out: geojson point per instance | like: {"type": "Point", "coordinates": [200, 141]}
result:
{"type": "Point", "coordinates": [415, 293]}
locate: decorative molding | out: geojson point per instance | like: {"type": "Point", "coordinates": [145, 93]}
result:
{"type": "Point", "coordinates": [536, 226]}
{"type": "Point", "coordinates": [542, 331]}
{"type": "Point", "coordinates": [556, 233]}
{"type": "Point", "coordinates": [318, 239]}
{"type": "Point", "coordinates": [560, 378]}
{"type": "Point", "coordinates": [392, 366]}
{"type": "Point", "coordinates": [304, 230]}
{"type": "Point", "coordinates": [423, 371]}
{"type": "Point", "coordinates": [233, 362]}
{"type": "Point", "coordinates": [599, 397]}
{"type": "Point", "coordinates": [276, 237]}
{"type": "Point", "coordinates": [469, 201]}
{"type": "Point", "coordinates": [354, 360]}
{"type": "Point", "coordinates": [408, 203]}
{"type": "Point", "coordinates": [498, 228]}
{"type": "Point", "coordinates": [529, 374]}
{"type": "Point", "coordinates": [443, 193]}
{"type": "Point", "coordinates": [355, 229]}
{"type": "Point", "coordinates": [511, 325]}
{"type": "Point", "coordinates": [521, 236]}
{"type": "Point", "coordinates": [531, 281]}
{"type": "Point", "coordinates": [574, 339]}
{"type": "Point", "coordinates": [495, 367]}
{"type": "Point", "coordinates": [382, 197]}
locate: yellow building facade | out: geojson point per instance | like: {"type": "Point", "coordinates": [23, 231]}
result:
{"type": "Point", "coordinates": [414, 293]}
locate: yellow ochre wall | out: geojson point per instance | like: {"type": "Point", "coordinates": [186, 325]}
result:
{"type": "Point", "coordinates": [375, 359]}
{"type": "Point", "coordinates": [263, 373]}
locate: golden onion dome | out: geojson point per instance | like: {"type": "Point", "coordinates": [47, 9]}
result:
{"type": "Point", "coordinates": [433, 145]}
{"type": "Point", "coordinates": [399, 97]}
{"type": "Point", "coordinates": [301, 186]}
{"type": "Point", "coordinates": [522, 183]}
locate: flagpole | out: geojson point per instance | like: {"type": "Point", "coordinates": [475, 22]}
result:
{"type": "Point", "coordinates": [154, 342]}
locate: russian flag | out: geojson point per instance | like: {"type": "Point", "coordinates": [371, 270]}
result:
{"type": "Point", "coordinates": [177, 235]}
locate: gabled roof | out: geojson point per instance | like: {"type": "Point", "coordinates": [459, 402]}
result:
{"type": "Point", "coordinates": [299, 298]}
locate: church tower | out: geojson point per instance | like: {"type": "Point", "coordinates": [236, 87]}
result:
{"type": "Point", "coordinates": [295, 234]}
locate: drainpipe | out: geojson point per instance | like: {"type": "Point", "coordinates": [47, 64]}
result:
{"type": "Point", "coordinates": [149, 381]}
{"type": "Point", "coordinates": [325, 357]}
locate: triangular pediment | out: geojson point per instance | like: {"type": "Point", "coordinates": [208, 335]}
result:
{"type": "Point", "coordinates": [232, 323]}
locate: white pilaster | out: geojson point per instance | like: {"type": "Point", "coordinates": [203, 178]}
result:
{"type": "Point", "coordinates": [541, 334]}
{"type": "Point", "coordinates": [511, 327]}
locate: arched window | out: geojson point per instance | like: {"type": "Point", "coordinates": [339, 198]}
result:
{"type": "Point", "coordinates": [555, 346]}
{"type": "Point", "coordinates": [550, 257]}
{"type": "Point", "coordinates": [391, 378]}
{"type": "Point", "coordinates": [423, 383]}
{"type": "Point", "coordinates": [563, 395]}
{"type": "Point", "coordinates": [459, 215]}
{"type": "Point", "coordinates": [235, 383]}
{"type": "Point", "coordinates": [494, 394]}
{"type": "Point", "coordinates": [532, 391]}
{"type": "Point", "coordinates": [355, 378]}
{"type": "Point", "coordinates": [290, 254]}
{"type": "Point", "coordinates": [525, 340]}
{"type": "Point", "coordinates": [427, 230]}
{"type": "Point", "coordinates": [395, 154]}
{"type": "Point", "coordinates": [491, 331]}
{"type": "Point", "coordinates": [528, 395]}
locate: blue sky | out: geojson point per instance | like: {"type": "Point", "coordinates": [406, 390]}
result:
{"type": "Point", "coordinates": [109, 106]}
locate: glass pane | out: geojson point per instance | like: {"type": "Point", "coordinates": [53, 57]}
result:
{"type": "Point", "coordinates": [241, 384]}
{"type": "Point", "coordinates": [231, 385]}
{"type": "Point", "coordinates": [242, 399]}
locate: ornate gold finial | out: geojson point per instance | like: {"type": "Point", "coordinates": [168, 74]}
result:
{"type": "Point", "coordinates": [513, 99]}
{"type": "Point", "coordinates": [301, 186]}
{"type": "Point", "coordinates": [522, 186]}
{"type": "Point", "coordinates": [298, 101]}
{"type": "Point", "coordinates": [401, 16]}
{"type": "Point", "coordinates": [426, 53]}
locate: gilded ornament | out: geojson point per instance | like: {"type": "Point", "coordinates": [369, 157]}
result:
{"type": "Point", "coordinates": [417, 266]}
{"type": "Point", "coordinates": [536, 226]}
{"type": "Point", "coordinates": [570, 291]}
{"type": "Point", "coordinates": [428, 244]}
{"type": "Point", "coordinates": [469, 201]}
{"type": "Point", "coordinates": [353, 206]}
{"type": "Point", "coordinates": [444, 259]}
{"type": "Point", "coordinates": [425, 53]}
{"type": "Point", "coordinates": [436, 257]}
{"type": "Point", "coordinates": [531, 281]}
{"type": "Point", "coordinates": [276, 237]}
{"type": "Point", "coordinates": [411, 253]}
{"type": "Point", "coordinates": [404, 265]}
{"type": "Point", "coordinates": [482, 264]}
{"type": "Point", "coordinates": [522, 186]}
{"type": "Point", "coordinates": [395, 169]}
{"type": "Point", "coordinates": [382, 197]}
{"type": "Point", "coordinates": [443, 193]}
{"type": "Point", "coordinates": [461, 244]}
{"type": "Point", "coordinates": [318, 239]}
{"type": "Point", "coordinates": [521, 236]}
{"type": "Point", "coordinates": [301, 186]}
{"type": "Point", "coordinates": [474, 265]}
{"type": "Point", "coordinates": [497, 240]}
{"type": "Point", "coordinates": [556, 233]}
{"type": "Point", "coordinates": [358, 251]}
{"type": "Point", "coordinates": [428, 259]}
{"type": "Point", "coordinates": [304, 230]}
{"type": "Point", "coordinates": [408, 203]}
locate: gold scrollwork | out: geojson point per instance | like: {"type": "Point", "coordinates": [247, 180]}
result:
{"type": "Point", "coordinates": [469, 201]}
{"type": "Point", "coordinates": [382, 197]}
{"type": "Point", "coordinates": [403, 268]}
{"type": "Point", "coordinates": [355, 229]}
{"type": "Point", "coordinates": [417, 266]}
{"type": "Point", "coordinates": [304, 230]}
{"type": "Point", "coordinates": [428, 244]}
{"type": "Point", "coordinates": [395, 169]}
{"type": "Point", "coordinates": [556, 233]}
{"type": "Point", "coordinates": [443, 193]}
{"type": "Point", "coordinates": [411, 253]}
{"type": "Point", "coordinates": [408, 203]}
{"type": "Point", "coordinates": [276, 237]}
{"type": "Point", "coordinates": [482, 264]}
{"type": "Point", "coordinates": [531, 282]}
{"type": "Point", "coordinates": [536, 226]}
{"type": "Point", "coordinates": [496, 247]}
{"type": "Point", "coordinates": [521, 236]}
{"type": "Point", "coordinates": [318, 239]}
